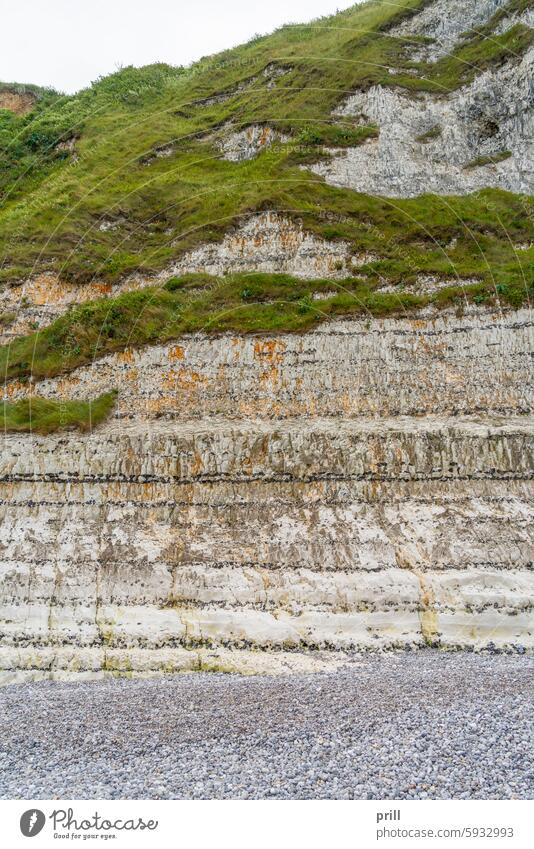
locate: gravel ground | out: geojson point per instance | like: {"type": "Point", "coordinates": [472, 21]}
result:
{"type": "Point", "coordinates": [399, 726]}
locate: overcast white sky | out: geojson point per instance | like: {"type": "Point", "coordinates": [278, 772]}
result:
{"type": "Point", "coordinates": [69, 43]}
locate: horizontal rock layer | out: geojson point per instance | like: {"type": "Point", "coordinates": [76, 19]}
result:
{"type": "Point", "coordinates": [364, 485]}
{"type": "Point", "coordinates": [271, 537]}
{"type": "Point", "coordinates": [479, 363]}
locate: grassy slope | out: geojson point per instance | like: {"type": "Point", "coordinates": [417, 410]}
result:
{"type": "Point", "coordinates": [53, 205]}
{"type": "Point", "coordinates": [247, 303]}
{"type": "Point", "coordinates": [43, 415]}
{"type": "Point", "coordinates": [50, 216]}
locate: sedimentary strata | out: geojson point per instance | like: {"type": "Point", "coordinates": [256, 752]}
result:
{"type": "Point", "coordinates": [248, 496]}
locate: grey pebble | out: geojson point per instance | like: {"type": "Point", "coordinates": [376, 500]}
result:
{"type": "Point", "coordinates": [412, 725]}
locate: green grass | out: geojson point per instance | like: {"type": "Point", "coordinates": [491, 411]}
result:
{"type": "Point", "coordinates": [479, 52]}
{"type": "Point", "coordinates": [6, 317]}
{"type": "Point", "coordinates": [335, 134]}
{"type": "Point", "coordinates": [434, 133]}
{"type": "Point", "coordinates": [44, 415]}
{"type": "Point", "coordinates": [53, 199]}
{"type": "Point", "coordinates": [490, 159]}
{"type": "Point", "coordinates": [244, 303]}
{"type": "Point", "coordinates": [53, 204]}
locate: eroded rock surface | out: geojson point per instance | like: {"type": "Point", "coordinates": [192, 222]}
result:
{"type": "Point", "coordinates": [240, 145]}
{"type": "Point", "coordinates": [266, 503]}
{"type": "Point", "coordinates": [526, 18]}
{"type": "Point", "coordinates": [369, 367]}
{"type": "Point", "coordinates": [440, 144]}
{"type": "Point", "coordinates": [20, 102]}
{"type": "Point", "coordinates": [446, 22]}
{"type": "Point", "coordinates": [366, 485]}
{"type": "Point", "coordinates": [270, 242]}
{"type": "Point", "coordinates": [266, 242]}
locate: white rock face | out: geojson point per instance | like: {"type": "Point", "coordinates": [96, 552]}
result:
{"type": "Point", "coordinates": [269, 242]}
{"type": "Point", "coordinates": [426, 284]}
{"type": "Point", "coordinates": [240, 145]}
{"type": "Point", "coordinates": [446, 21]}
{"type": "Point", "coordinates": [526, 17]}
{"type": "Point", "coordinates": [491, 116]}
{"type": "Point", "coordinates": [61, 663]}
{"type": "Point", "coordinates": [272, 503]}
{"type": "Point", "coordinates": [439, 365]}
{"type": "Point", "coordinates": [366, 485]}
{"type": "Point", "coordinates": [236, 536]}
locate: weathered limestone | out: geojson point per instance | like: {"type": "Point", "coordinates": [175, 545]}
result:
{"type": "Point", "coordinates": [446, 22]}
{"type": "Point", "coordinates": [266, 535]}
{"type": "Point", "coordinates": [441, 364]}
{"type": "Point", "coordinates": [17, 100]}
{"type": "Point", "coordinates": [526, 18]}
{"type": "Point", "coordinates": [270, 242]}
{"type": "Point", "coordinates": [41, 299]}
{"type": "Point", "coordinates": [61, 663]}
{"type": "Point", "coordinates": [365, 485]}
{"type": "Point", "coordinates": [266, 242]}
{"type": "Point", "coordinates": [430, 143]}
{"type": "Point", "coordinates": [240, 145]}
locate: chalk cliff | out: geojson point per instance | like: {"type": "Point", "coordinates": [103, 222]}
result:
{"type": "Point", "coordinates": [274, 500]}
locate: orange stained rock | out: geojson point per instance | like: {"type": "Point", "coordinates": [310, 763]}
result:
{"type": "Point", "coordinates": [246, 465]}
{"type": "Point", "coordinates": [399, 454]}
{"type": "Point", "coordinates": [272, 376]}
{"type": "Point", "coordinates": [169, 380]}
{"type": "Point", "coordinates": [65, 386]}
{"type": "Point", "coordinates": [261, 407]}
{"type": "Point", "coordinates": [237, 345]}
{"type": "Point", "coordinates": [177, 353]}
{"type": "Point", "coordinates": [102, 288]}
{"type": "Point", "coordinates": [345, 402]}
{"type": "Point", "coordinates": [377, 456]}
{"type": "Point", "coordinates": [197, 465]}
{"type": "Point", "coordinates": [454, 376]}
{"type": "Point", "coordinates": [50, 290]}
{"type": "Point", "coordinates": [18, 102]}
{"type": "Point", "coordinates": [155, 406]}
{"type": "Point", "coordinates": [132, 375]}
{"type": "Point", "coordinates": [270, 350]}
{"type": "Point", "coordinates": [126, 356]}
{"type": "Point", "coordinates": [183, 379]}
{"type": "Point", "coordinates": [47, 289]}
{"type": "Point", "coordinates": [17, 389]}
